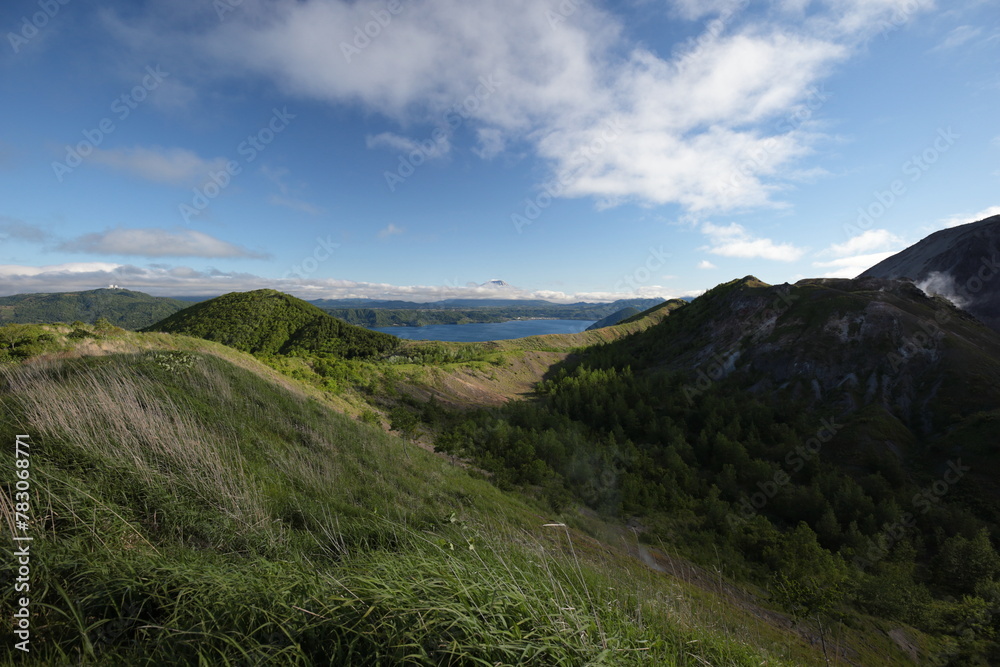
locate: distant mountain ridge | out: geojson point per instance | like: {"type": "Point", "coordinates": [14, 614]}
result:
{"type": "Point", "coordinates": [581, 310]}
{"type": "Point", "coordinates": [961, 264]}
{"type": "Point", "coordinates": [614, 318]}
{"type": "Point", "coordinates": [122, 307]}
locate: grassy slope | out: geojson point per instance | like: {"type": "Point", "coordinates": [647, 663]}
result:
{"type": "Point", "coordinates": [509, 369]}
{"type": "Point", "coordinates": [190, 508]}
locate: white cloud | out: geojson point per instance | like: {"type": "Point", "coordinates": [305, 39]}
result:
{"type": "Point", "coordinates": [705, 264]}
{"type": "Point", "coordinates": [19, 230]}
{"type": "Point", "coordinates": [279, 177]}
{"type": "Point", "coordinates": [957, 37]}
{"type": "Point", "coordinates": [295, 204]}
{"type": "Point", "coordinates": [16, 271]}
{"type": "Point", "coordinates": [695, 9]}
{"type": "Point", "coordinates": [710, 127]}
{"type": "Point", "coordinates": [173, 166]}
{"type": "Point", "coordinates": [851, 267]}
{"type": "Point", "coordinates": [155, 242]}
{"type": "Point", "coordinates": [429, 148]}
{"type": "Point", "coordinates": [390, 230]}
{"type": "Point", "coordinates": [162, 280]}
{"type": "Point", "coordinates": [734, 240]}
{"type": "Point", "coordinates": [866, 242]}
{"type": "Point", "coordinates": [491, 143]}
{"type": "Point", "coordinates": [964, 219]}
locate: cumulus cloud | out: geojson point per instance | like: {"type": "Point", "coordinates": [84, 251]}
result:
{"type": "Point", "coordinates": [714, 125]}
{"type": "Point", "coordinates": [155, 242]}
{"type": "Point", "coordinates": [172, 166]}
{"type": "Point", "coordinates": [705, 264]}
{"type": "Point", "coordinates": [851, 267]}
{"type": "Point", "coordinates": [865, 243]}
{"type": "Point", "coordinates": [734, 240]}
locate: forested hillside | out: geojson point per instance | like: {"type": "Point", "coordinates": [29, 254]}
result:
{"type": "Point", "coordinates": [123, 308]}
{"type": "Point", "coordinates": [788, 433]}
{"type": "Point", "coordinates": [270, 322]}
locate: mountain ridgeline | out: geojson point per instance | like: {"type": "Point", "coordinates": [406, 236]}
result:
{"type": "Point", "coordinates": [961, 263]}
{"type": "Point", "coordinates": [834, 440]}
{"type": "Point", "coordinates": [271, 322]}
{"type": "Point", "coordinates": [123, 308]}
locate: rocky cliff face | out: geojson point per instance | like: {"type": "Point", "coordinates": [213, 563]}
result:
{"type": "Point", "coordinates": [961, 264]}
{"type": "Point", "coordinates": [845, 345]}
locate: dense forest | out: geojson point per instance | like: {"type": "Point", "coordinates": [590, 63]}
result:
{"type": "Point", "coordinates": [731, 480]}
{"type": "Point", "coordinates": [123, 308]}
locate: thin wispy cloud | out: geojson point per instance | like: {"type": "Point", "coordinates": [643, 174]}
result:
{"type": "Point", "coordinates": [154, 242]}
{"type": "Point", "coordinates": [172, 166]}
{"type": "Point", "coordinates": [390, 230]}
{"type": "Point", "coordinates": [958, 36]}
{"type": "Point", "coordinates": [14, 229]}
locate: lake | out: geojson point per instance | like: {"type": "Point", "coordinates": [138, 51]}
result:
{"type": "Point", "coordinates": [471, 333]}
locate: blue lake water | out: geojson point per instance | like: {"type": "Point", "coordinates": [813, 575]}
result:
{"type": "Point", "coordinates": [471, 333]}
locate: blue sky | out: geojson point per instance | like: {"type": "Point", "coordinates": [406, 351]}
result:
{"type": "Point", "coordinates": [414, 149]}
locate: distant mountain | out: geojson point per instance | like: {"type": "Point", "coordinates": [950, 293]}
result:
{"type": "Point", "coordinates": [271, 322]}
{"type": "Point", "coordinates": [497, 284]}
{"type": "Point", "coordinates": [961, 264]}
{"type": "Point", "coordinates": [614, 318]}
{"type": "Point", "coordinates": [122, 307]}
{"type": "Point", "coordinates": [360, 311]}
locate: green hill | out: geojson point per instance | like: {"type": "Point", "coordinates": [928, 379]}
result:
{"type": "Point", "coordinates": [271, 322]}
{"type": "Point", "coordinates": [188, 510]}
{"type": "Point", "coordinates": [123, 308]}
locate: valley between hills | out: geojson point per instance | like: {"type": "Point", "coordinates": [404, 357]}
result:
{"type": "Point", "coordinates": [768, 474]}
